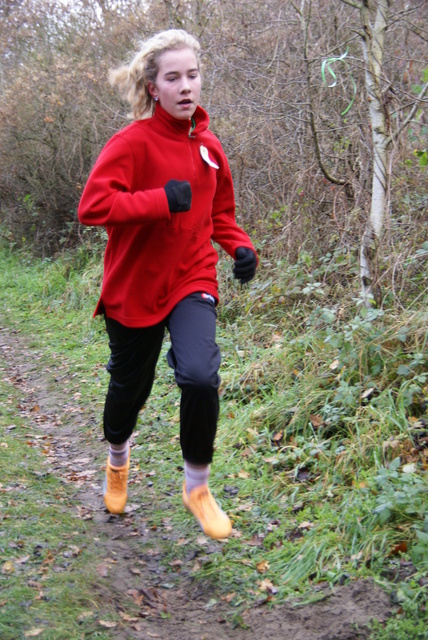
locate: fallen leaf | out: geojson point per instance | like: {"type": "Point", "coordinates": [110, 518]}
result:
{"type": "Point", "coordinates": [8, 567]}
{"type": "Point", "coordinates": [266, 585]}
{"type": "Point", "coordinates": [243, 474]}
{"type": "Point", "coordinates": [391, 443]}
{"type": "Point", "coordinates": [298, 506]}
{"type": "Point", "coordinates": [84, 615]}
{"type": "Point", "coordinates": [271, 460]}
{"type": "Point", "coordinates": [137, 597]}
{"type": "Point", "coordinates": [278, 437]}
{"type": "Point", "coordinates": [229, 597]}
{"type": "Point", "coordinates": [176, 563]}
{"type": "Point", "coordinates": [401, 547]}
{"type": "Point", "coordinates": [262, 566]}
{"type": "Point", "coordinates": [182, 541]}
{"type": "Point", "coordinates": [244, 507]}
{"type": "Point", "coordinates": [211, 603]}
{"type": "Point", "coordinates": [306, 525]}
{"type": "Point", "coordinates": [48, 559]}
{"type": "Point", "coordinates": [247, 562]}
{"type": "Point", "coordinates": [33, 633]}
{"type": "Point", "coordinates": [108, 624]}
{"type": "Point", "coordinates": [16, 545]}
{"type": "Point", "coordinates": [127, 617]}
{"type": "Point", "coordinates": [130, 508]}
{"type": "Point", "coordinates": [360, 484]}
{"type": "Point", "coordinates": [75, 551]}
{"type": "Point", "coordinates": [135, 571]}
{"type": "Point", "coordinates": [409, 468]}
{"type": "Point", "coordinates": [22, 559]}
{"type": "Point", "coordinates": [252, 434]}
{"type": "Point", "coordinates": [316, 421]}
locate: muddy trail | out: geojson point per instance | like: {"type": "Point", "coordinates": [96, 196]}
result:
{"type": "Point", "coordinates": [128, 553]}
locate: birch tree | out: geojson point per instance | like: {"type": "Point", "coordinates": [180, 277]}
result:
{"type": "Point", "coordinates": [375, 17]}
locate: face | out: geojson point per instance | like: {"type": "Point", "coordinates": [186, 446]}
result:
{"type": "Point", "coordinates": [178, 83]}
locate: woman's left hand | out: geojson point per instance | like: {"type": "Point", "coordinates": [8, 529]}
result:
{"type": "Point", "coordinates": [245, 264]}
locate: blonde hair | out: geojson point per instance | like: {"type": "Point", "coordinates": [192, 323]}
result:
{"type": "Point", "coordinates": [132, 80]}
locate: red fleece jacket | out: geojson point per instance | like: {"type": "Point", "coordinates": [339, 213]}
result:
{"type": "Point", "coordinates": [155, 258]}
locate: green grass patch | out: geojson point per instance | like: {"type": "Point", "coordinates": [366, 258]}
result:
{"type": "Point", "coordinates": [322, 443]}
{"type": "Point", "coordinates": [46, 571]}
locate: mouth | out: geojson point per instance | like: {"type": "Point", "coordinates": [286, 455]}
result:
{"type": "Point", "coordinates": [186, 102]}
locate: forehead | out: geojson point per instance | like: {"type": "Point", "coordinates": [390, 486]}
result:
{"type": "Point", "coordinates": [180, 60]}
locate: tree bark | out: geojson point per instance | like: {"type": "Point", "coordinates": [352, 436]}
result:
{"type": "Point", "coordinates": [373, 47]}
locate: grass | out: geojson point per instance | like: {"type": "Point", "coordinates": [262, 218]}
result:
{"type": "Point", "coordinates": [321, 451]}
{"type": "Point", "coordinates": [45, 566]}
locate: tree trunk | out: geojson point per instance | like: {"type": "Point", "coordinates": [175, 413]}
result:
{"type": "Point", "coordinates": [373, 47]}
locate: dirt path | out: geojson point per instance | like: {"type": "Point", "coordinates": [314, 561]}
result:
{"type": "Point", "coordinates": [184, 609]}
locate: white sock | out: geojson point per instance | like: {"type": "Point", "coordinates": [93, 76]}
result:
{"type": "Point", "coordinates": [118, 454]}
{"type": "Point", "coordinates": [196, 475]}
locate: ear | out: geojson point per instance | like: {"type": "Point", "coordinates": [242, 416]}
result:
{"type": "Point", "coordinates": [152, 89]}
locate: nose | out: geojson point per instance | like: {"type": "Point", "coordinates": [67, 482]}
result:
{"type": "Point", "coordinates": [185, 86]}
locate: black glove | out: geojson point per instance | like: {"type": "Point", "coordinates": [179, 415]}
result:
{"type": "Point", "coordinates": [245, 264]}
{"type": "Point", "coordinates": [179, 195]}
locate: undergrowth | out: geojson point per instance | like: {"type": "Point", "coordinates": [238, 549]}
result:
{"type": "Point", "coordinates": [322, 448]}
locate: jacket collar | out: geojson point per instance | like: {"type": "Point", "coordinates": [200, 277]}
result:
{"type": "Point", "coordinates": [182, 127]}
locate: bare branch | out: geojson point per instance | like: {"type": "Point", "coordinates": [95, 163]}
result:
{"type": "Point", "coordinates": [296, 8]}
{"type": "Point", "coordinates": [305, 26]}
{"type": "Point", "coordinates": [410, 115]}
{"type": "Point", "coordinates": [356, 5]}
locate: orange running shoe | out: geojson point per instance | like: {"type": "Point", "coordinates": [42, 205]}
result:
{"type": "Point", "coordinates": [115, 487]}
{"type": "Point", "coordinates": [214, 522]}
